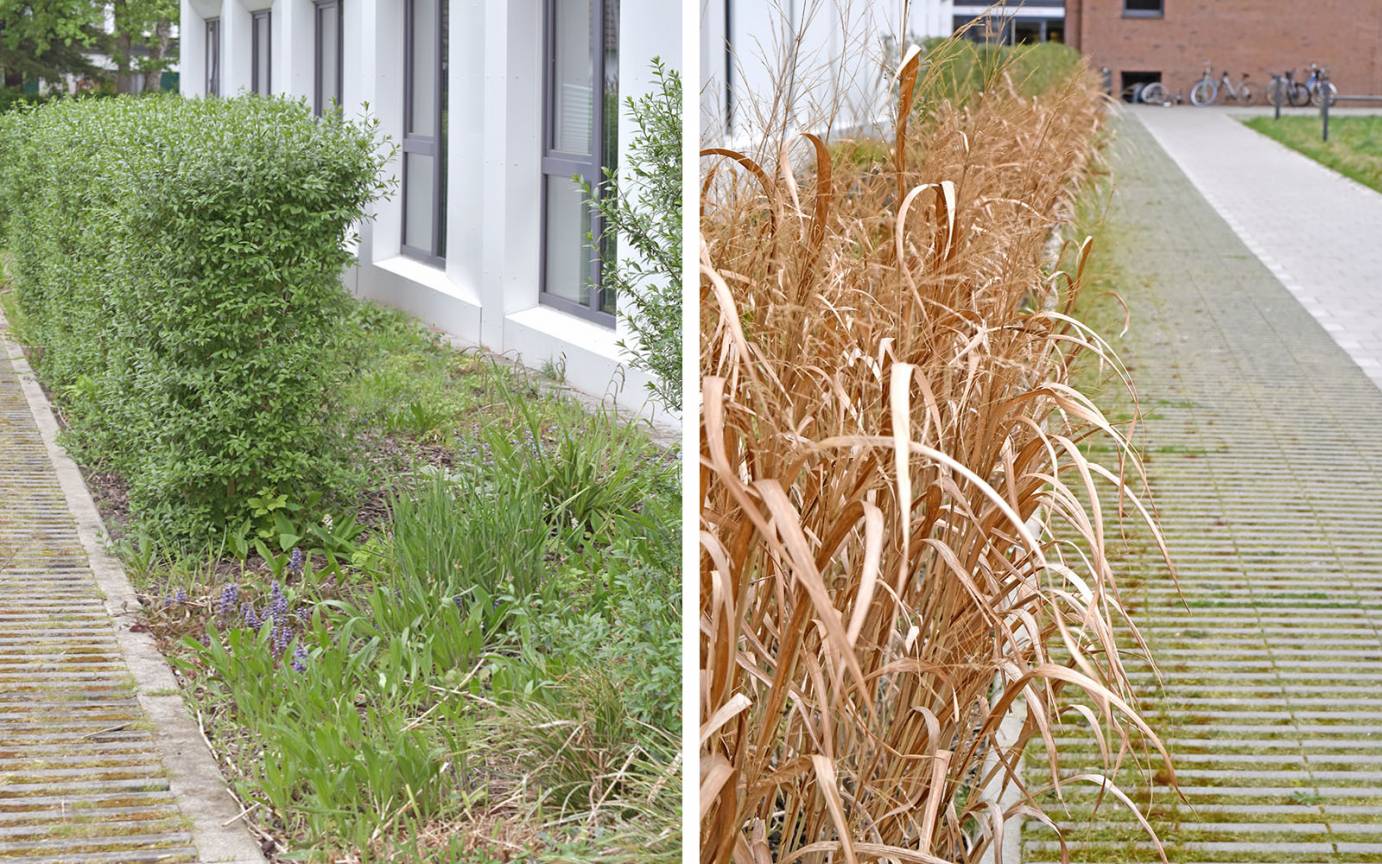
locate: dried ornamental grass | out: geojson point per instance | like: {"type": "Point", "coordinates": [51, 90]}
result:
{"type": "Point", "coordinates": [902, 539]}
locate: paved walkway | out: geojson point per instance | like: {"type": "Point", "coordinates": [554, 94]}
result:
{"type": "Point", "coordinates": [99, 759]}
{"type": "Point", "coordinates": [1263, 449]}
{"type": "Point", "coordinates": [1318, 232]}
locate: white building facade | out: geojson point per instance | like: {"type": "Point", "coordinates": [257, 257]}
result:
{"type": "Point", "coordinates": [495, 105]}
{"type": "Point", "coordinates": [833, 60]}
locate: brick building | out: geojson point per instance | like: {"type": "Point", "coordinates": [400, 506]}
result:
{"type": "Point", "coordinates": [1170, 40]}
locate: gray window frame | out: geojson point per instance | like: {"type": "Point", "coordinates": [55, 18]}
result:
{"type": "Point", "coordinates": [319, 99]}
{"type": "Point", "coordinates": [1159, 12]}
{"type": "Point", "coordinates": [564, 165]}
{"type": "Point", "coordinates": [426, 145]}
{"type": "Point", "coordinates": [213, 57]}
{"type": "Point", "coordinates": [729, 68]}
{"type": "Point", "coordinates": [255, 17]}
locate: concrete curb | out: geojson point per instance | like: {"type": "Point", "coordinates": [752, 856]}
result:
{"type": "Point", "coordinates": [193, 776]}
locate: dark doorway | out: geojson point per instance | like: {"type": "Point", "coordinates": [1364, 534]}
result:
{"type": "Point", "coordinates": [1133, 82]}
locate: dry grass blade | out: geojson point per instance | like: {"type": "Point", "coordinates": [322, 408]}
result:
{"type": "Point", "coordinates": [905, 579]}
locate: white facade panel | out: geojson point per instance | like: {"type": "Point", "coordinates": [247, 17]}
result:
{"type": "Point", "coordinates": [487, 290]}
{"type": "Point", "coordinates": [831, 60]}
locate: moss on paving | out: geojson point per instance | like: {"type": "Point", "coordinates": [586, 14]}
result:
{"type": "Point", "coordinates": [1192, 295]}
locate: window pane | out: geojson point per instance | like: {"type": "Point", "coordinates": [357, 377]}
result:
{"type": "Point", "coordinates": [328, 36]}
{"type": "Point", "coordinates": [423, 44]}
{"type": "Point", "coordinates": [261, 54]}
{"type": "Point", "coordinates": [568, 255]}
{"type": "Point", "coordinates": [419, 173]}
{"type": "Point", "coordinates": [574, 85]}
{"type": "Point", "coordinates": [213, 57]}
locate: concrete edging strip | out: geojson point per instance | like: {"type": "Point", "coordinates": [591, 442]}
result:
{"type": "Point", "coordinates": [193, 776]}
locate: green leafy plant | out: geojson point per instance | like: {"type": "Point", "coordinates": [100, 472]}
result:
{"type": "Point", "coordinates": [421, 419]}
{"type": "Point", "coordinates": [473, 535]}
{"type": "Point", "coordinates": [641, 203]}
{"type": "Point", "coordinates": [346, 757]}
{"type": "Point", "coordinates": [588, 478]}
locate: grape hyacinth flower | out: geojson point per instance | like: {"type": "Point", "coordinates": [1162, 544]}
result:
{"type": "Point", "coordinates": [278, 606]}
{"type": "Point", "coordinates": [181, 596]}
{"type": "Point", "coordinates": [295, 562]}
{"type": "Point", "coordinates": [281, 635]}
{"type": "Point", "coordinates": [226, 605]}
{"type": "Point", "coordinates": [300, 658]}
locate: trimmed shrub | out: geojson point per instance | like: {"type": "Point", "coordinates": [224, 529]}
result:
{"type": "Point", "coordinates": [178, 263]}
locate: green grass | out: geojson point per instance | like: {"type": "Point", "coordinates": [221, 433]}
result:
{"type": "Point", "coordinates": [1354, 148]}
{"type": "Point", "coordinates": [468, 649]}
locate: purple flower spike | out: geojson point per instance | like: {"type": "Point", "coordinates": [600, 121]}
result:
{"type": "Point", "coordinates": [226, 605]}
{"type": "Point", "coordinates": [181, 596]}
{"type": "Point", "coordinates": [278, 606]}
{"type": "Point", "coordinates": [281, 635]}
{"type": "Point", "coordinates": [295, 562]}
{"type": "Point", "coordinates": [300, 658]}
{"type": "Point", "coordinates": [251, 619]}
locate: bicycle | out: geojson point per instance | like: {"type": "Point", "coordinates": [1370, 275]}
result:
{"type": "Point", "coordinates": [1316, 88]}
{"type": "Point", "coordinates": [1207, 90]}
{"type": "Point", "coordinates": [1153, 93]}
{"type": "Point", "coordinates": [1292, 92]}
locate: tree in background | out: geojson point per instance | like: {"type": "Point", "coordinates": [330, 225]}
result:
{"type": "Point", "coordinates": [142, 45]}
{"type": "Point", "coordinates": [645, 213]}
{"type": "Point", "coordinates": [48, 38]}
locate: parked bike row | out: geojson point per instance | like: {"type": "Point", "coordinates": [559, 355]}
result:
{"type": "Point", "coordinates": [1283, 89]}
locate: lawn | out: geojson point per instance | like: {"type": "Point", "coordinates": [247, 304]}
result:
{"type": "Point", "coordinates": [1354, 148]}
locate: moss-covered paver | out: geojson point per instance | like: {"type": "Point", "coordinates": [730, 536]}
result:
{"type": "Point", "coordinates": [84, 765]}
{"type": "Point", "coordinates": [1262, 444]}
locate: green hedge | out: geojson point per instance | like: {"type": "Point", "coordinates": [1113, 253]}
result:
{"type": "Point", "coordinates": [961, 68]}
{"type": "Point", "coordinates": [178, 265]}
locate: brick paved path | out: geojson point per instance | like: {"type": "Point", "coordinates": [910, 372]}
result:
{"type": "Point", "coordinates": [1317, 231]}
{"type": "Point", "coordinates": [96, 765]}
{"type": "Point", "coordinates": [1264, 453]}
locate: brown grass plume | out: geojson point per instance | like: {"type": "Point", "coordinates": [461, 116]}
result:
{"type": "Point", "coordinates": [903, 540]}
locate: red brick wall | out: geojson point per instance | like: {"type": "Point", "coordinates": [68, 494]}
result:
{"type": "Point", "coordinates": [1254, 36]}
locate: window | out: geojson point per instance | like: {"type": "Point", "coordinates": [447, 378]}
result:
{"type": "Point", "coordinates": [580, 140]}
{"type": "Point", "coordinates": [985, 29]}
{"type": "Point", "coordinates": [213, 56]}
{"type": "Point", "coordinates": [327, 88]}
{"type": "Point", "coordinates": [1028, 32]}
{"type": "Point", "coordinates": [424, 129]}
{"type": "Point", "coordinates": [1143, 8]}
{"type": "Point", "coordinates": [261, 45]}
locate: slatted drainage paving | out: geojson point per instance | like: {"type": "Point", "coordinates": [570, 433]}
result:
{"type": "Point", "coordinates": [84, 774]}
{"type": "Point", "coordinates": [1262, 439]}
